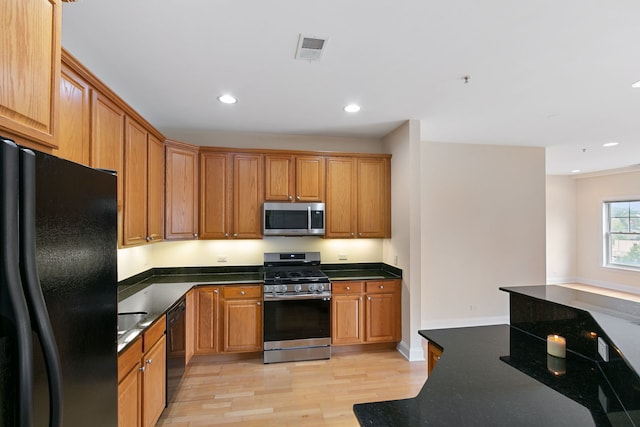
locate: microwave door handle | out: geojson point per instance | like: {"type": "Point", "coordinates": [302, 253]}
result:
{"type": "Point", "coordinates": [309, 218]}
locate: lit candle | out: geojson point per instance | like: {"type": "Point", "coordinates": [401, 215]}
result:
{"type": "Point", "coordinates": [556, 346]}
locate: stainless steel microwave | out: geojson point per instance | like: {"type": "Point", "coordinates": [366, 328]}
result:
{"type": "Point", "coordinates": [293, 219]}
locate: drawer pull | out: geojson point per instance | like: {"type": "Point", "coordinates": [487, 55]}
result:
{"type": "Point", "coordinates": [242, 292]}
{"type": "Point", "coordinates": [348, 288]}
{"type": "Point", "coordinates": [381, 286]}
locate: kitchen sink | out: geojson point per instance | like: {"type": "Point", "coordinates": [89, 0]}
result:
{"type": "Point", "coordinates": [127, 321]}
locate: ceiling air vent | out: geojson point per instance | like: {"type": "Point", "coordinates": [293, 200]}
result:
{"type": "Point", "coordinates": [310, 48]}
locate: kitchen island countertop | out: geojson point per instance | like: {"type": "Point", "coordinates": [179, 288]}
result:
{"type": "Point", "coordinates": [499, 376]}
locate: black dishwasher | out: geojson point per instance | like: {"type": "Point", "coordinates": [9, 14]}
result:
{"type": "Point", "coordinates": [176, 356]}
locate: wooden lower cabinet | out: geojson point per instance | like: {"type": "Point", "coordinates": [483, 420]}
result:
{"type": "Point", "coordinates": [227, 319]}
{"type": "Point", "coordinates": [433, 355]}
{"type": "Point", "coordinates": [142, 378]}
{"type": "Point", "coordinates": [365, 312]}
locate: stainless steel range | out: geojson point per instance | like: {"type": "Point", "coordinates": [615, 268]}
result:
{"type": "Point", "coordinates": [297, 308]}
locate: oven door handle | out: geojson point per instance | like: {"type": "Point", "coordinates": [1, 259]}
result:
{"type": "Point", "coordinates": [323, 297]}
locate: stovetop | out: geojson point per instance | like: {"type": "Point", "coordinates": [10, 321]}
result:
{"type": "Point", "coordinates": [294, 272]}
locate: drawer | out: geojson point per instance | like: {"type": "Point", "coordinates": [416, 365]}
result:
{"type": "Point", "coordinates": [382, 286]}
{"type": "Point", "coordinates": [154, 333]}
{"type": "Point", "coordinates": [242, 292]}
{"type": "Point", "coordinates": [347, 287]}
{"type": "Point", "coordinates": [129, 358]}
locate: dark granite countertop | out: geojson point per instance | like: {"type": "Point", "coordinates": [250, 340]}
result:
{"type": "Point", "coordinates": [501, 376]}
{"type": "Point", "coordinates": [618, 318]}
{"type": "Point", "coordinates": [154, 291]}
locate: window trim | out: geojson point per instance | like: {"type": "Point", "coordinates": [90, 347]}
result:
{"type": "Point", "coordinates": [606, 246]}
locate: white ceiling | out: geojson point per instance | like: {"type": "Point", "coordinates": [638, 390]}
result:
{"type": "Point", "coordinates": [552, 73]}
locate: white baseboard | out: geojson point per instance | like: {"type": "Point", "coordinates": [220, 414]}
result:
{"type": "Point", "coordinates": [465, 322]}
{"type": "Point", "coordinates": [415, 354]}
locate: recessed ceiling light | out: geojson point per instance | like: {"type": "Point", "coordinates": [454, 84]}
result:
{"type": "Point", "coordinates": [636, 85]}
{"type": "Point", "coordinates": [610, 144]}
{"type": "Point", "coordinates": [227, 99]}
{"type": "Point", "coordinates": [575, 171]}
{"type": "Point", "coordinates": [352, 108]}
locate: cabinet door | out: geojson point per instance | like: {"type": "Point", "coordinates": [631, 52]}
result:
{"type": "Point", "coordinates": [206, 320]}
{"type": "Point", "coordinates": [190, 327]}
{"type": "Point", "coordinates": [30, 68]}
{"type": "Point", "coordinates": [247, 196]}
{"type": "Point", "coordinates": [154, 383]}
{"type": "Point", "coordinates": [279, 178]}
{"type": "Point", "coordinates": [347, 318]}
{"type": "Point", "coordinates": [107, 126]}
{"type": "Point", "coordinates": [373, 198]}
{"type": "Point", "coordinates": [242, 325]}
{"type": "Point", "coordinates": [181, 195]}
{"type": "Point", "coordinates": [310, 172]}
{"type": "Point", "coordinates": [215, 195]}
{"type": "Point", "coordinates": [341, 201]}
{"type": "Point", "coordinates": [381, 318]}
{"type": "Point", "coordinates": [129, 409]}
{"type": "Point", "coordinates": [135, 183]}
{"type": "Point", "coordinates": [75, 118]}
{"type": "Point", "coordinates": [155, 189]}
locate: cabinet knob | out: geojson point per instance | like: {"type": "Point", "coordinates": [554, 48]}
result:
{"type": "Point", "coordinates": [290, 197]}
{"type": "Point", "coordinates": [258, 303]}
{"type": "Point", "coordinates": [149, 361]}
{"type": "Point", "coordinates": [359, 234]}
{"type": "Point", "coordinates": [352, 234]}
{"type": "Point", "coordinates": [226, 234]}
{"type": "Point", "coordinates": [298, 197]}
{"type": "Point", "coordinates": [142, 368]}
{"type": "Point", "coordinates": [148, 239]}
{"type": "Point", "coordinates": [242, 292]}
{"type": "Point", "coordinates": [381, 286]}
{"type": "Point", "coordinates": [235, 234]}
{"type": "Point", "coordinates": [369, 298]}
{"type": "Point", "coordinates": [215, 291]}
{"type": "Point", "coordinates": [195, 235]}
{"type": "Point", "coordinates": [348, 288]}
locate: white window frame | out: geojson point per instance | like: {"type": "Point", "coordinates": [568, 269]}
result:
{"type": "Point", "coordinates": [606, 245]}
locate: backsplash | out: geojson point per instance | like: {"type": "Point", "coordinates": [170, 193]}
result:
{"type": "Point", "coordinates": [220, 253]}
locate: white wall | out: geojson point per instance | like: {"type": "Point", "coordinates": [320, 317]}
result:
{"type": "Point", "coordinates": [590, 193]}
{"type": "Point", "coordinates": [483, 227]}
{"type": "Point", "coordinates": [561, 229]}
{"type": "Point", "coordinates": [405, 225]}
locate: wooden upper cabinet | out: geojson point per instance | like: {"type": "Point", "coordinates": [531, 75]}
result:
{"type": "Point", "coordinates": [107, 140]}
{"type": "Point", "coordinates": [341, 200]}
{"type": "Point", "coordinates": [143, 185]}
{"type": "Point", "coordinates": [373, 197]}
{"type": "Point", "coordinates": [135, 183]}
{"type": "Point", "coordinates": [247, 196]}
{"type": "Point", "coordinates": [231, 195]}
{"type": "Point", "coordinates": [294, 178]}
{"type": "Point", "coordinates": [215, 195]}
{"type": "Point", "coordinates": [30, 70]}
{"type": "Point", "coordinates": [358, 197]}
{"type": "Point", "coordinates": [181, 191]}
{"type": "Point", "coordinates": [75, 118]}
{"type": "Point", "coordinates": [155, 188]}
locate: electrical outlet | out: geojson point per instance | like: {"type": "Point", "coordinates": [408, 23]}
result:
{"type": "Point", "coordinates": [395, 260]}
{"type": "Point", "coordinates": [603, 349]}
{"type": "Point", "coordinates": [343, 257]}
{"type": "Point", "coordinates": [222, 258]}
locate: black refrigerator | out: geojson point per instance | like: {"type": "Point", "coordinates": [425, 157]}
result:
{"type": "Point", "coordinates": [58, 292]}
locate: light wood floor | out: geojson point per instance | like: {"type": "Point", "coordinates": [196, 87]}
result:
{"type": "Point", "coordinates": [313, 393]}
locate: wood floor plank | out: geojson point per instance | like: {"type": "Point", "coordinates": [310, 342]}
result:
{"type": "Point", "coordinates": [314, 393]}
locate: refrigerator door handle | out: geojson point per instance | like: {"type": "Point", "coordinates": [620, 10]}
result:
{"type": "Point", "coordinates": [32, 289]}
{"type": "Point", "coordinates": [13, 306]}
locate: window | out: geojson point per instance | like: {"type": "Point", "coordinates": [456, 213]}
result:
{"type": "Point", "coordinates": [622, 233]}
